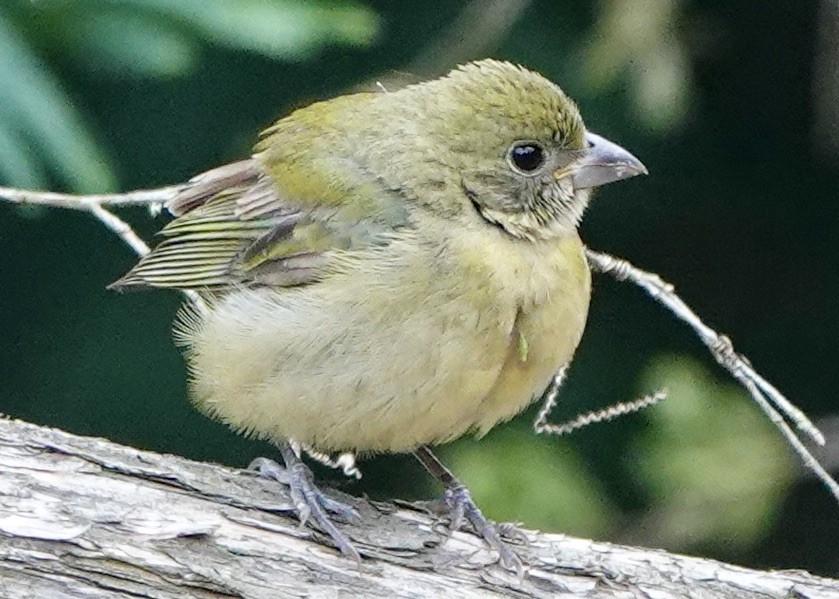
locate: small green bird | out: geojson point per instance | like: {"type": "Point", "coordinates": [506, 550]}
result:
{"type": "Point", "coordinates": [389, 271]}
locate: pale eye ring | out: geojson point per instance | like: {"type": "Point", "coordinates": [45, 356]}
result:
{"type": "Point", "coordinates": [526, 157]}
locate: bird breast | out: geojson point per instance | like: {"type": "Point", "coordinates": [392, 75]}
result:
{"type": "Point", "coordinates": [409, 348]}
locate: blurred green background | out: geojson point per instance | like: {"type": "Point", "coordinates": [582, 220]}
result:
{"type": "Point", "coordinates": [733, 106]}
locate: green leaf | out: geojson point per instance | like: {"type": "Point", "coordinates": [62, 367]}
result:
{"type": "Point", "coordinates": [19, 167]}
{"type": "Point", "coordinates": [32, 98]}
{"type": "Point", "coordinates": [275, 28]}
{"type": "Point", "coordinates": [125, 43]}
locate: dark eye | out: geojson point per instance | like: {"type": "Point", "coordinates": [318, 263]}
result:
{"type": "Point", "coordinates": [527, 157]}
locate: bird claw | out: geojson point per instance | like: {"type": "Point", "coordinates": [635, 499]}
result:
{"type": "Point", "coordinates": [309, 501]}
{"type": "Point", "coordinates": [462, 507]}
{"type": "Point", "coordinates": [268, 468]}
{"type": "Point", "coordinates": [513, 533]}
{"type": "Point", "coordinates": [456, 506]}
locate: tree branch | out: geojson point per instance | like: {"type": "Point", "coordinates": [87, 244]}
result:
{"type": "Point", "coordinates": [82, 517]}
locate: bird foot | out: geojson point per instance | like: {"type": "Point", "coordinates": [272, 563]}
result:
{"type": "Point", "coordinates": [462, 508]}
{"type": "Point", "coordinates": [308, 500]}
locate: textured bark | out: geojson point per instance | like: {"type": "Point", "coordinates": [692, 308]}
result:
{"type": "Point", "coordinates": [82, 517]}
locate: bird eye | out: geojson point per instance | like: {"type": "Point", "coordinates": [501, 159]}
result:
{"type": "Point", "coordinates": [527, 157]}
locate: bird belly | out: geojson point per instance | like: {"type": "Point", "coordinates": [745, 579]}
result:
{"type": "Point", "coordinates": [374, 367]}
{"type": "Point", "coordinates": [383, 360]}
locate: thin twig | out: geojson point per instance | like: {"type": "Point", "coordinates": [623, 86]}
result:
{"type": "Point", "coordinates": [768, 398]}
{"type": "Point", "coordinates": [541, 426]}
{"type": "Point", "coordinates": [151, 198]}
{"type": "Point", "coordinates": [551, 395]}
{"type": "Point", "coordinates": [144, 197]}
{"type": "Point", "coordinates": [122, 229]}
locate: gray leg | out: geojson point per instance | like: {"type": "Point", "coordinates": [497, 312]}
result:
{"type": "Point", "coordinates": [461, 507]}
{"type": "Point", "coordinates": [309, 501]}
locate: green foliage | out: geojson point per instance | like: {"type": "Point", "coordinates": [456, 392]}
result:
{"type": "Point", "coordinates": [540, 481]}
{"type": "Point", "coordinates": [39, 125]}
{"type": "Point", "coordinates": [121, 43]}
{"type": "Point", "coordinates": [715, 467]}
{"type": "Point", "coordinates": [42, 135]}
{"type": "Point", "coordinates": [638, 42]}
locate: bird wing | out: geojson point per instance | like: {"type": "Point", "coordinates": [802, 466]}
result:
{"type": "Point", "coordinates": [232, 227]}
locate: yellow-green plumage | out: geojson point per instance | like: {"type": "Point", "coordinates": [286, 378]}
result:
{"type": "Point", "coordinates": [381, 274]}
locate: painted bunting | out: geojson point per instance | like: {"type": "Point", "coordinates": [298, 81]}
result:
{"type": "Point", "coordinates": [389, 271]}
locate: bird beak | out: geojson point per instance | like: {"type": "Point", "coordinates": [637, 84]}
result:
{"type": "Point", "coordinates": [604, 162]}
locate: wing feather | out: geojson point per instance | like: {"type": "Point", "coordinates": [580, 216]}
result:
{"type": "Point", "coordinates": [232, 228]}
{"type": "Point", "coordinates": [216, 223]}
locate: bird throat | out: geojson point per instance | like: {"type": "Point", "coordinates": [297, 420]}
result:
{"type": "Point", "coordinates": [546, 218]}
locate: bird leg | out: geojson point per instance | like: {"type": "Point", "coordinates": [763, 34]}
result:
{"type": "Point", "coordinates": [308, 500]}
{"type": "Point", "coordinates": [462, 507]}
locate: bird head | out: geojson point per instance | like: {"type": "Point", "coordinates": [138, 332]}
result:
{"type": "Point", "coordinates": [511, 143]}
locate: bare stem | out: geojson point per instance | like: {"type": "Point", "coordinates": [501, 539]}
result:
{"type": "Point", "coordinates": [122, 229]}
{"type": "Point", "coordinates": [543, 427]}
{"type": "Point", "coordinates": [153, 199]}
{"type": "Point", "coordinates": [144, 197]}
{"type": "Point", "coordinates": [769, 399]}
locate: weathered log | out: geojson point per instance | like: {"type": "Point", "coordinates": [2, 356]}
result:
{"type": "Point", "coordinates": [83, 517]}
